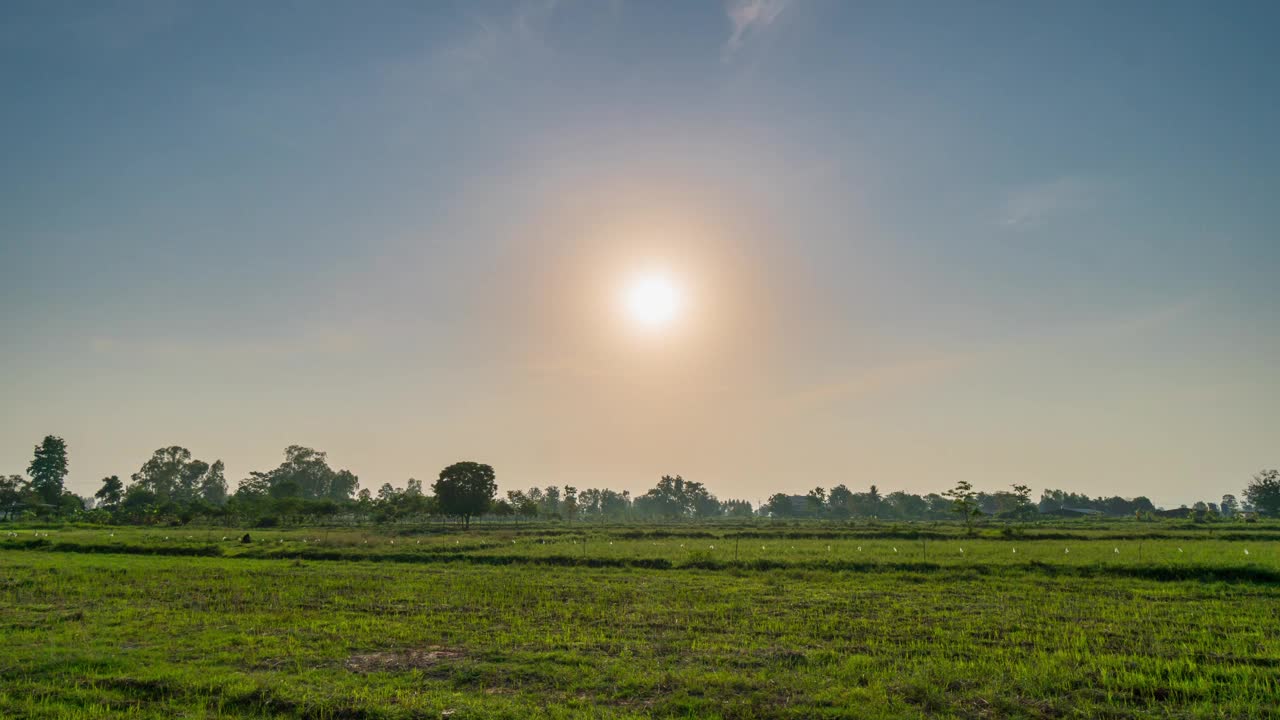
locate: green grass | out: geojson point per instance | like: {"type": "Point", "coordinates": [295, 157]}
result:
{"type": "Point", "coordinates": [92, 629]}
{"type": "Point", "coordinates": [1230, 551]}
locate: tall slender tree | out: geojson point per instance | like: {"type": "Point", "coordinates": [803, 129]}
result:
{"type": "Point", "coordinates": [48, 469]}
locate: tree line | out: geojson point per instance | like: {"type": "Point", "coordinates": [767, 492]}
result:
{"type": "Point", "coordinates": [174, 487]}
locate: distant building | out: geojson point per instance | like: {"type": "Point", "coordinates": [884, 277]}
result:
{"type": "Point", "coordinates": [1074, 512]}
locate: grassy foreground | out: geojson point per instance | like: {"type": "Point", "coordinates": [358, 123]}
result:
{"type": "Point", "coordinates": [105, 634]}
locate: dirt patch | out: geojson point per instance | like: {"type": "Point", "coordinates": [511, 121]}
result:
{"type": "Point", "coordinates": [393, 660]}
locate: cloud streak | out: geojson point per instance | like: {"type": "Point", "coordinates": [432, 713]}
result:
{"type": "Point", "coordinates": [482, 43]}
{"type": "Point", "coordinates": [1037, 203]}
{"type": "Point", "coordinates": [749, 18]}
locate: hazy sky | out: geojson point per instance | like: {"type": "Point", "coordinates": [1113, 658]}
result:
{"type": "Point", "coordinates": [917, 242]}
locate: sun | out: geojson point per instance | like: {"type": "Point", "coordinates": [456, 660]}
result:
{"type": "Point", "coordinates": [653, 300]}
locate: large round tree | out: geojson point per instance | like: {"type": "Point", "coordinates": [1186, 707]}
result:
{"type": "Point", "coordinates": [1264, 493]}
{"type": "Point", "coordinates": [465, 489]}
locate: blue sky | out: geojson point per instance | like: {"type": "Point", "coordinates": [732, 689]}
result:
{"type": "Point", "coordinates": [1003, 242]}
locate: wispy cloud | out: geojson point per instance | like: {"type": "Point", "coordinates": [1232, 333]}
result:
{"type": "Point", "coordinates": [1037, 203]}
{"type": "Point", "coordinates": [482, 43]}
{"type": "Point", "coordinates": [749, 18]}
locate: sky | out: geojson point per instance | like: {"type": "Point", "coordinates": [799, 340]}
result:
{"type": "Point", "coordinates": [913, 242]}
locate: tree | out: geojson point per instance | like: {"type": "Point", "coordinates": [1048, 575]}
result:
{"type": "Point", "coordinates": [306, 474]}
{"type": "Point", "coordinates": [704, 504]}
{"type": "Point", "coordinates": [189, 481]}
{"type": "Point", "coordinates": [70, 503]}
{"type": "Point", "coordinates": [675, 497]}
{"type": "Point", "coordinates": [570, 503]}
{"type": "Point", "coordinates": [588, 502]}
{"type": "Point", "coordinates": [465, 489]}
{"type": "Point", "coordinates": [549, 501]}
{"type": "Point", "coordinates": [840, 501]}
{"type": "Point", "coordinates": [1023, 493]}
{"type": "Point", "coordinates": [905, 505]}
{"type": "Point", "coordinates": [1264, 492]}
{"type": "Point", "coordinates": [964, 502]}
{"type": "Point", "coordinates": [1143, 505]}
{"type": "Point", "coordinates": [779, 505]}
{"type": "Point", "coordinates": [616, 504]}
{"type": "Point", "coordinates": [816, 501]}
{"type": "Point", "coordinates": [213, 485]}
{"type": "Point", "coordinates": [387, 493]}
{"type": "Point", "coordinates": [1229, 505]}
{"type": "Point", "coordinates": [285, 489]}
{"type": "Point", "coordinates": [254, 487]}
{"type": "Point", "coordinates": [1005, 504]}
{"type": "Point", "coordinates": [112, 491]}
{"type": "Point", "coordinates": [48, 469]}
{"type": "Point", "coordinates": [13, 489]}
{"type": "Point", "coordinates": [310, 470]}
{"type": "Point", "coordinates": [523, 505]}
{"type": "Point", "coordinates": [874, 501]}
{"type": "Point", "coordinates": [139, 503]}
{"type": "Point", "coordinates": [170, 474]}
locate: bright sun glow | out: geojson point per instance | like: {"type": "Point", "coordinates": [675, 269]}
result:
{"type": "Point", "coordinates": [653, 300]}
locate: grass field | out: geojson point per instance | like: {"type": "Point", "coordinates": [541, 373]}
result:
{"type": "Point", "coordinates": [627, 622]}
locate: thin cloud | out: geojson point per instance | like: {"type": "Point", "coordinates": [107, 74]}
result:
{"type": "Point", "coordinates": [485, 42]}
{"type": "Point", "coordinates": [749, 18]}
{"type": "Point", "coordinates": [1037, 203]}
